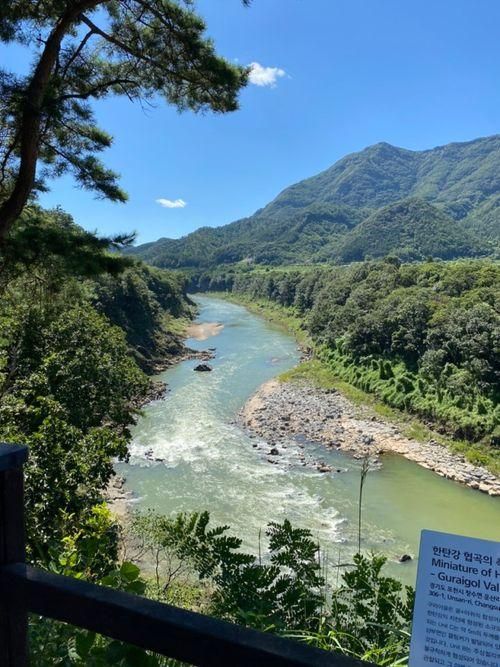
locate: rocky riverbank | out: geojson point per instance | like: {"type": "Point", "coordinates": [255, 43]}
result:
{"type": "Point", "coordinates": [281, 411]}
{"type": "Point", "coordinates": [118, 497]}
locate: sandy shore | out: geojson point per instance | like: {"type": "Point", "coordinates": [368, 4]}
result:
{"type": "Point", "coordinates": [204, 330]}
{"type": "Point", "coordinates": [280, 411]}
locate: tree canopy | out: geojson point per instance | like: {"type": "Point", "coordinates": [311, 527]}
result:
{"type": "Point", "coordinates": [75, 323]}
{"type": "Point", "coordinates": [424, 338]}
{"type": "Point", "coordinates": [84, 51]}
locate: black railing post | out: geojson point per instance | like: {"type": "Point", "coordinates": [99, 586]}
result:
{"type": "Point", "coordinates": [13, 611]}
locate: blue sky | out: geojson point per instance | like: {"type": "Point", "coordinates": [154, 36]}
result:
{"type": "Point", "coordinates": [415, 73]}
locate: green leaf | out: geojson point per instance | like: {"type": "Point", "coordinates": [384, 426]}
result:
{"type": "Point", "coordinates": [129, 571]}
{"type": "Point", "coordinates": [84, 642]}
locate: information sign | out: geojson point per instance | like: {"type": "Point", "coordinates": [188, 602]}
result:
{"type": "Point", "coordinates": [456, 621]}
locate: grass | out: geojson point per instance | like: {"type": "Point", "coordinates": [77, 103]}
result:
{"type": "Point", "coordinates": [177, 325]}
{"type": "Point", "coordinates": [321, 375]}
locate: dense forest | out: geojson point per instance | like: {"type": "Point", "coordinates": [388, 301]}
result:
{"type": "Point", "coordinates": [422, 337]}
{"type": "Point", "coordinates": [440, 203]}
{"type": "Point", "coordinates": [78, 327]}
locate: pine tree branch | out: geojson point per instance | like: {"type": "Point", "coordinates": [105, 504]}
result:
{"type": "Point", "coordinates": [98, 88]}
{"type": "Point", "coordinates": [78, 51]}
{"type": "Point", "coordinates": [126, 48]}
{"type": "Point", "coordinates": [11, 208]}
{"type": "Point", "coordinates": [142, 57]}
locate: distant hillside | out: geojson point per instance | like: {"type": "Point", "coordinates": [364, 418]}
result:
{"type": "Point", "coordinates": [443, 202]}
{"type": "Point", "coordinates": [412, 229]}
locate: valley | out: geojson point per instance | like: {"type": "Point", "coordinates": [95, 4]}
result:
{"type": "Point", "coordinates": [192, 451]}
{"type": "Point", "coordinates": [231, 410]}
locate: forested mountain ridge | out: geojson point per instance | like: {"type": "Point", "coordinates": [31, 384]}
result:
{"type": "Point", "coordinates": [466, 173]}
{"type": "Point", "coordinates": [454, 192]}
{"type": "Point", "coordinates": [412, 229]}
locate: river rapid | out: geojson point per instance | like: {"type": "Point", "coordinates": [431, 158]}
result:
{"type": "Point", "coordinates": [204, 460]}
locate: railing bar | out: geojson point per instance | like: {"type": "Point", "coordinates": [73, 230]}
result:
{"type": "Point", "coordinates": [13, 614]}
{"type": "Point", "coordinates": [170, 631]}
{"type": "Point", "coordinates": [12, 456]}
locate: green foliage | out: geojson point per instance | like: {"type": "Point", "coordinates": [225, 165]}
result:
{"type": "Point", "coordinates": [369, 607]}
{"type": "Point", "coordinates": [283, 591]}
{"type": "Point", "coordinates": [89, 51]}
{"type": "Point", "coordinates": [178, 547]}
{"type": "Point", "coordinates": [68, 395]}
{"type": "Point", "coordinates": [411, 229]}
{"type": "Point", "coordinates": [423, 338]}
{"type": "Point", "coordinates": [144, 302]}
{"type": "Point", "coordinates": [441, 203]}
{"type": "Point", "coordinates": [369, 616]}
{"type": "Point", "coordinates": [83, 368]}
{"type": "Point", "coordinates": [68, 381]}
{"type": "Point", "coordinates": [91, 552]}
{"type": "Point", "coordinates": [50, 239]}
{"type": "Point", "coordinates": [54, 643]}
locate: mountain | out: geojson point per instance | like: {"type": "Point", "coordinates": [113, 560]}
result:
{"type": "Point", "coordinates": [412, 229]}
{"type": "Point", "coordinates": [443, 202]}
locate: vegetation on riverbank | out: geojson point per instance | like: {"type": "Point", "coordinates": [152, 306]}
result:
{"type": "Point", "coordinates": [323, 376]}
{"type": "Point", "coordinates": [284, 590]}
{"type": "Point", "coordinates": [421, 338]}
{"type": "Point", "coordinates": [280, 316]}
{"type": "Point", "coordinates": [73, 333]}
{"type": "Point", "coordinates": [74, 321]}
{"type": "Point", "coordinates": [81, 327]}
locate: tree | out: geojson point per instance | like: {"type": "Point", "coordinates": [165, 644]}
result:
{"type": "Point", "coordinates": [90, 49]}
{"type": "Point", "coordinates": [51, 241]}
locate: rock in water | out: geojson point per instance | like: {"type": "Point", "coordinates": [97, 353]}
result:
{"type": "Point", "coordinates": [405, 558]}
{"type": "Point", "coordinates": [203, 367]}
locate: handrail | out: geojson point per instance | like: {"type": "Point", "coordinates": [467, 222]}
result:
{"type": "Point", "coordinates": [161, 628]}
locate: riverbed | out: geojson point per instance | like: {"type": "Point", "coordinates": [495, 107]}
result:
{"type": "Point", "coordinates": [190, 452]}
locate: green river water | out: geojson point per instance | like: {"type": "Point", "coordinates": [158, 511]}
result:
{"type": "Point", "coordinates": [208, 462]}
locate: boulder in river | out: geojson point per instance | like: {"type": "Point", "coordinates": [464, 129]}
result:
{"type": "Point", "coordinates": [274, 452]}
{"type": "Point", "coordinates": [405, 558]}
{"type": "Point", "coordinates": [203, 367]}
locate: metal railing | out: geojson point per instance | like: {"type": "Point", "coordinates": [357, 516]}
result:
{"type": "Point", "coordinates": [164, 629]}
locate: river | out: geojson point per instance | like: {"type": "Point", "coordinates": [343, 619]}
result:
{"type": "Point", "coordinates": [208, 462]}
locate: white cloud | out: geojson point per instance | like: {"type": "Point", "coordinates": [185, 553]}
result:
{"type": "Point", "coordinates": [171, 203]}
{"type": "Point", "coordinates": [264, 76]}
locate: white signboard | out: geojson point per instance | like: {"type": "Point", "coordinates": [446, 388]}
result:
{"type": "Point", "coordinates": [456, 622]}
